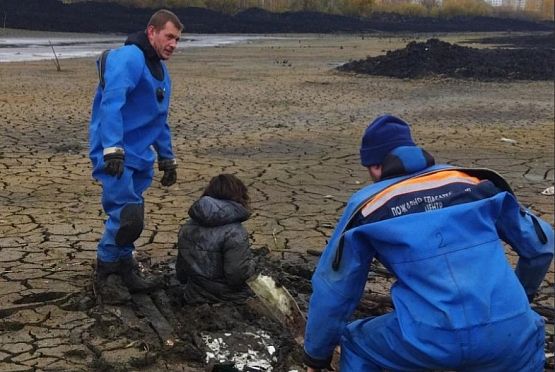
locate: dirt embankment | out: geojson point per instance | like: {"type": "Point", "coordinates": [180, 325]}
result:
{"type": "Point", "coordinates": [53, 15]}
{"type": "Point", "coordinates": [439, 58]}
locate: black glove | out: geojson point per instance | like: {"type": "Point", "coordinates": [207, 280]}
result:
{"type": "Point", "coordinates": [113, 164]}
{"type": "Point", "coordinates": [168, 166]}
{"type": "Point", "coordinates": [318, 364]}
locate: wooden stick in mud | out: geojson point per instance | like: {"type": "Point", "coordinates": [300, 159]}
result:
{"type": "Point", "coordinates": [55, 56]}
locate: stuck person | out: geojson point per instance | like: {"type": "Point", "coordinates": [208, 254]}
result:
{"type": "Point", "coordinates": [128, 132]}
{"type": "Point", "coordinates": [458, 303]}
{"type": "Point", "coordinates": [214, 257]}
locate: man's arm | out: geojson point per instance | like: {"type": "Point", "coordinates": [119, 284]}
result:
{"type": "Point", "coordinates": [532, 238]}
{"type": "Point", "coordinates": [122, 73]}
{"type": "Point", "coordinates": [166, 159]}
{"type": "Point", "coordinates": [336, 294]}
{"type": "Point", "coordinates": [163, 144]}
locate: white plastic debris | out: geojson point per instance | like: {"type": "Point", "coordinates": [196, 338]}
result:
{"type": "Point", "coordinates": [508, 140]}
{"type": "Point", "coordinates": [221, 350]}
{"type": "Point", "coordinates": [548, 191]}
{"type": "Point", "coordinates": [170, 342]}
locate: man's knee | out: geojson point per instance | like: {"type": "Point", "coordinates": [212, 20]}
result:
{"type": "Point", "coordinates": [131, 224]}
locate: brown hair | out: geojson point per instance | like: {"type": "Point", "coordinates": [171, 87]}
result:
{"type": "Point", "coordinates": [228, 187]}
{"type": "Point", "coordinates": [163, 16]}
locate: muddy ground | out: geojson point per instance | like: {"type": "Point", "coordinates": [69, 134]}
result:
{"type": "Point", "coordinates": [278, 115]}
{"type": "Point", "coordinates": [542, 40]}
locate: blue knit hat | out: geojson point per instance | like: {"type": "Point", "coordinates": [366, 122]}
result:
{"type": "Point", "coordinates": [383, 135]}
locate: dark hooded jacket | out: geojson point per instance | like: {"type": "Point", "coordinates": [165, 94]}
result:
{"type": "Point", "coordinates": [214, 259]}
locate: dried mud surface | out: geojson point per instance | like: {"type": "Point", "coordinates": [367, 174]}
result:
{"type": "Point", "coordinates": [277, 114]}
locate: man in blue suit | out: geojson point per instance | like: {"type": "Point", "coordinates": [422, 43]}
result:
{"type": "Point", "coordinates": [459, 305]}
{"type": "Point", "coordinates": [128, 132]}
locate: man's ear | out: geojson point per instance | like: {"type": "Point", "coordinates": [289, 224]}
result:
{"type": "Point", "coordinates": [375, 172]}
{"type": "Point", "coordinates": [150, 30]}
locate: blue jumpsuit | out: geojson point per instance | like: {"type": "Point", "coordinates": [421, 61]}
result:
{"type": "Point", "coordinates": [458, 303]}
{"type": "Point", "coordinates": [129, 113]}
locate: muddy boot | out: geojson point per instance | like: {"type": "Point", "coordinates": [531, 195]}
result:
{"type": "Point", "coordinates": [130, 275]}
{"type": "Point", "coordinates": [108, 284]}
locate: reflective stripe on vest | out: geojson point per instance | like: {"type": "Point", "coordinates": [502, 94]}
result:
{"type": "Point", "coordinates": [425, 182]}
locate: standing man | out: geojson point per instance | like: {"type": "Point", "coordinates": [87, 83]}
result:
{"type": "Point", "coordinates": [458, 303]}
{"type": "Point", "coordinates": [127, 133]}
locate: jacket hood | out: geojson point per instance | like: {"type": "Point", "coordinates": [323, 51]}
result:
{"type": "Point", "coordinates": [406, 160]}
{"type": "Point", "coordinates": [151, 57]}
{"type": "Point", "coordinates": [139, 39]}
{"type": "Point", "coordinates": [209, 211]}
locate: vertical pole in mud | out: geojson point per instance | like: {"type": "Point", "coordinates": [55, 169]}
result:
{"type": "Point", "coordinates": [55, 56]}
{"type": "Point", "coordinates": [4, 24]}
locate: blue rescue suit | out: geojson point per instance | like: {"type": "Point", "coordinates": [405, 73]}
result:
{"type": "Point", "coordinates": [129, 115]}
{"type": "Point", "coordinates": [458, 303]}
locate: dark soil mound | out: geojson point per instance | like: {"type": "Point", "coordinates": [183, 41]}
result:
{"type": "Point", "coordinates": [257, 20]}
{"type": "Point", "coordinates": [439, 58]}
{"type": "Point", "coordinates": [522, 41]}
{"type": "Point", "coordinates": [53, 15]}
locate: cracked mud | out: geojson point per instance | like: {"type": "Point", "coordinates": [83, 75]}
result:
{"type": "Point", "coordinates": [290, 131]}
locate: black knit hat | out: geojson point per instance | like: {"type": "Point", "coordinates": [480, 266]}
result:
{"type": "Point", "coordinates": [384, 134]}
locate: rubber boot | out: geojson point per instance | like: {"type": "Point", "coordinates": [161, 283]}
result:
{"type": "Point", "coordinates": [108, 284]}
{"type": "Point", "coordinates": [129, 274]}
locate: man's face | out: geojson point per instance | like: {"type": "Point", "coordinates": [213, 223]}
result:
{"type": "Point", "coordinates": [164, 41]}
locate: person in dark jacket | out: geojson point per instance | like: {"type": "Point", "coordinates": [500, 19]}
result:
{"type": "Point", "coordinates": [128, 132]}
{"type": "Point", "coordinates": [458, 303]}
{"type": "Point", "coordinates": [214, 257]}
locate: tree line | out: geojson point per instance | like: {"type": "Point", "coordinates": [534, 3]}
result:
{"type": "Point", "coordinates": [535, 9]}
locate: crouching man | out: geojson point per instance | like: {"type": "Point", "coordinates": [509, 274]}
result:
{"type": "Point", "coordinates": [458, 303]}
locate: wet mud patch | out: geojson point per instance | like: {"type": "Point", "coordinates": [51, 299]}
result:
{"type": "Point", "coordinates": [519, 41]}
{"type": "Point", "coordinates": [158, 328]}
{"type": "Point", "coordinates": [6, 326]}
{"type": "Point", "coordinates": [158, 332]}
{"type": "Point", "coordinates": [40, 297]}
{"type": "Point", "coordinates": [439, 58]}
{"type": "Point", "coordinates": [238, 336]}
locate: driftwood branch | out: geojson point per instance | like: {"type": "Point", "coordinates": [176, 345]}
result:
{"type": "Point", "coordinates": [55, 57]}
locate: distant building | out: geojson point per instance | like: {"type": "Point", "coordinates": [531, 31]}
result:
{"type": "Point", "coordinates": [512, 4]}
